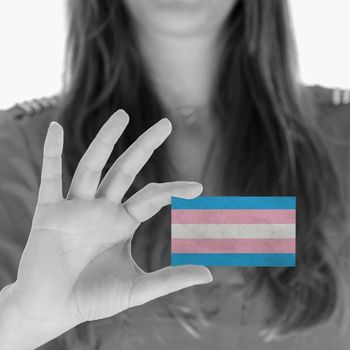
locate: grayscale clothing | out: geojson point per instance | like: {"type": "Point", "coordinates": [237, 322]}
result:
{"type": "Point", "coordinates": [150, 326]}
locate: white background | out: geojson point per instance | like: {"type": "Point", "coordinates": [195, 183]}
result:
{"type": "Point", "coordinates": [32, 35]}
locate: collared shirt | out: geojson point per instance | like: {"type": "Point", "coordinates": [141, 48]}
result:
{"type": "Point", "coordinates": [153, 325]}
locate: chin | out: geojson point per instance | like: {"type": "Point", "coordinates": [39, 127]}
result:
{"type": "Point", "coordinates": [180, 16]}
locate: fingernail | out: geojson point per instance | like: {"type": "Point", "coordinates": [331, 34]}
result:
{"type": "Point", "coordinates": [121, 115]}
{"type": "Point", "coordinates": [209, 276]}
{"type": "Point", "coordinates": [54, 124]}
{"type": "Point", "coordinates": [55, 129]}
{"type": "Point", "coordinates": [209, 280]}
{"type": "Point", "coordinates": [165, 122]}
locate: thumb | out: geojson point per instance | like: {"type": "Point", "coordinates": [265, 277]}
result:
{"type": "Point", "coordinates": [167, 280]}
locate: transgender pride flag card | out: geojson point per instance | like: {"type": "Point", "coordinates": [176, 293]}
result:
{"type": "Point", "coordinates": [233, 231]}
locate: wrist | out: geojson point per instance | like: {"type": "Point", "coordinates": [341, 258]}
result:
{"type": "Point", "coordinates": [21, 331]}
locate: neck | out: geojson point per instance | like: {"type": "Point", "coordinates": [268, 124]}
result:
{"type": "Point", "coordinates": [182, 69]}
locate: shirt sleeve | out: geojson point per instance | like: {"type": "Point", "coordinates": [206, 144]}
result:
{"type": "Point", "coordinates": [19, 184]}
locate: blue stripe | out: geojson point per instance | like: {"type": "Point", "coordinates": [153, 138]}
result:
{"type": "Point", "coordinates": [226, 202]}
{"type": "Point", "coordinates": [238, 259]}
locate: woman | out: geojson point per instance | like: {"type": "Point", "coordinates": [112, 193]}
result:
{"type": "Point", "coordinates": [223, 73]}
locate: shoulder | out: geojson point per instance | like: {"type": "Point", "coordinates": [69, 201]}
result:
{"type": "Point", "coordinates": [28, 119]}
{"type": "Point", "coordinates": [29, 110]}
{"type": "Point", "coordinates": [22, 131]}
{"type": "Point", "coordinates": [327, 96]}
{"type": "Point", "coordinates": [332, 110]}
{"type": "Point", "coordinates": [333, 118]}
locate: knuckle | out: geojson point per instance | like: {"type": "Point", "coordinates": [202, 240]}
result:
{"type": "Point", "coordinates": [104, 143]}
{"type": "Point", "coordinates": [150, 190]}
{"type": "Point", "coordinates": [90, 167]}
{"type": "Point", "coordinates": [125, 173]}
{"type": "Point", "coordinates": [147, 143]}
{"type": "Point", "coordinates": [167, 275]}
{"type": "Point", "coordinates": [51, 178]}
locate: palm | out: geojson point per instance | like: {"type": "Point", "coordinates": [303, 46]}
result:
{"type": "Point", "coordinates": [88, 252]}
{"type": "Point", "coordinates": [95, 288]}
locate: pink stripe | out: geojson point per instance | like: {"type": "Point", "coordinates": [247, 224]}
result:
{"type": "Point", "coordinates": [229, 216]}
{"type": "Point", "coordinates": [223, 245]}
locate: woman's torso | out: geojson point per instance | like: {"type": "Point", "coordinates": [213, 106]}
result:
{"type": "Point", "coordinates": [150, 326]}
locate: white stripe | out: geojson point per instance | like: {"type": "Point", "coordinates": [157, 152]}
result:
{"type": "Point", "coordinates": [233, 230]}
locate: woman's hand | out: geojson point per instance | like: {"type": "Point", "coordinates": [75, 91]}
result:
{"type": "Point", "coordinates": [77, 264]}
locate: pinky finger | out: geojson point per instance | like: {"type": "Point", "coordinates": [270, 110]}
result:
{"type": "Point", "coordinates": [51, 175]}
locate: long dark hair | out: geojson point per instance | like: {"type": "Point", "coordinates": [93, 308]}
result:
{"type": "Point", "coordinates": [272, 146]}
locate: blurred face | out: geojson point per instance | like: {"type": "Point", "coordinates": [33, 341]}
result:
{"type": "Point", "coordinates": [180, 17]}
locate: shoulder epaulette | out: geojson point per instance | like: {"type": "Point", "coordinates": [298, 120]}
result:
{"type": "Point", "coordinates": [35, 106]}
{"type": "Point", "coordinates": [332, 96]}
{"type": "Point", "coordinates": [29, 108]}
{"type": "Point", "coordinates": [340, 96]}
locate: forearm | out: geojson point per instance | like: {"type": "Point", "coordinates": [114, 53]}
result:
{"type": "Point", "coordinates": [19, 331]}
